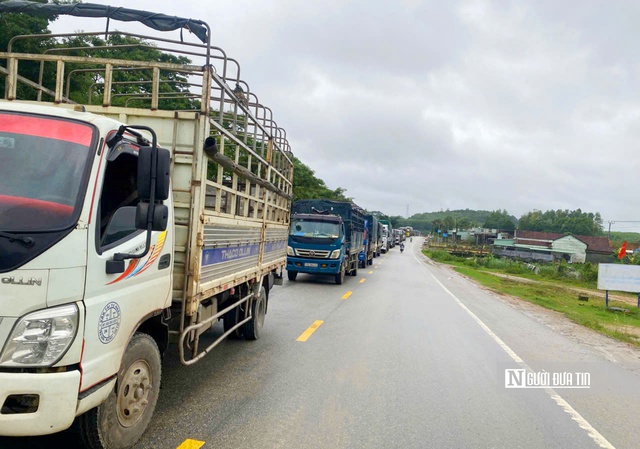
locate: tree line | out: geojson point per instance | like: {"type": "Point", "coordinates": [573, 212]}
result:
{"type": "Point", "coordinates": [557, 221]}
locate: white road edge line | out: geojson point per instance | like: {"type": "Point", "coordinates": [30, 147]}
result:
{"type": "Point", "coordinates": [596, 436]}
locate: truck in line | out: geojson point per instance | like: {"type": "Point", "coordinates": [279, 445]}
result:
{"type": "Point", "coordinates": [325, 238]}
{"type": "Point", "coordinates": [126, 229]}
{"type": "Point", "coordinates": [371, 242]}
{"type": "Point", "coordinates": [388, 237]}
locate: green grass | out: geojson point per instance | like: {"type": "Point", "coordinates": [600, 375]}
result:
{"type": "Point", "coordinates": [557, 294]}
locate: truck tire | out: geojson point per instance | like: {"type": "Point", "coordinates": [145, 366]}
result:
{"type": "Point", "coordinates": [354, 271]}
{"type": "Point", "coordinates": [340, 275]}
{"type": "Point", "coordinates": [120, 421]}
{"type": "Point", "coordinates": [292, 275]}
{"type": "Point", "coordinates": [253, 327]}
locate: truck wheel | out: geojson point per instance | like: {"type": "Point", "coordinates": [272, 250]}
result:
{"type": "Point", "coordinates": [253, 327]}
{"type": "Point", "coordinates": [354, 271]}
{"type": "Point", "coordinates": [340, 276]}
{"type": "Point", "coordinates": [292, 275]}
{"type": "Point", "coordinates": [120, 421]}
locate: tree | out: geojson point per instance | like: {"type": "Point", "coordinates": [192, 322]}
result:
{"type": "Point", "coordinates": [449, 222]}
{"type": "Point", "coordinates": [14, 24]}
{"type": "Point", "coordinates": [499, 219]}
{"type": "Point", "coordinates": [562, 222]}
{"type": "Point", "coordinates": [129, 87]}
{"type": "Point", "coordinates": [395, 221]}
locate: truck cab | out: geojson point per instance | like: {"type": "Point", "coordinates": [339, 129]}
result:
{"type": "Point", "coordinates": [325, 238]}
{"type": "Point", "coordinates": [68, 203]}
{"type": "Point", "coordinates": [316, 244]}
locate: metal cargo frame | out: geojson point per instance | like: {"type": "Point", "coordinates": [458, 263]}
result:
{"type": "Point", "coordinates": [240, 199]}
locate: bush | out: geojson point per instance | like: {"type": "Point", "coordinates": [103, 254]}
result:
{"type": "Point", "coordinates": [588, 272]}
{"type": "Point", "coordinates": [548, 271]}
{"type": "Point", "coordinates": [442, 256]}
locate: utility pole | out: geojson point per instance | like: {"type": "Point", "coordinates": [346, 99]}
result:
{"type": "Point", "coordinates": [619, 221]}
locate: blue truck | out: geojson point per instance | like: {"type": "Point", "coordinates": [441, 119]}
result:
{"type": "Point", "coordinates": [372, 241]}
{"type": "Point", "coordinates": [325, 238]}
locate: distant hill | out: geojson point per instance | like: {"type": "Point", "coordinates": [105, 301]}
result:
{"type": "Point", "coordinates": [630, 237]}
{"type": "Point", "coordinates": [423, 220]}
{"type": "Point", "coordinates": [475, 216]}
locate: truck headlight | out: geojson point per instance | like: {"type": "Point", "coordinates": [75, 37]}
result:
{"type": "Point", "coordinates": [335, 254]}
{"type": "Point", "coordinates": [290, 251]}
{"type": "Point", "coordinates": [41, 338]}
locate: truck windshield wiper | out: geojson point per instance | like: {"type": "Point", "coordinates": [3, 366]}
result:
{"type": "Point", "coordinates": [26, 241]}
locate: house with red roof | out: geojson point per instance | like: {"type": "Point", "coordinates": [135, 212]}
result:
{"type": "Point", "coordinates": [549, 246]}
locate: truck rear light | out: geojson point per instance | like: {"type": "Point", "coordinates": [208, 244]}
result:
{"type": "Point", "coordinates": [17, 404]}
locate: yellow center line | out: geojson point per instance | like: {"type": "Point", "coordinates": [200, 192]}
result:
{"type": "Point", "coordinates": [370, 271]}
{"type": "Point", "coordinates": [346, 295]}
{"type": "Point", "coordinates": [191, 444]}
{"type": "Point", "coordinates": [362, 280]}
{"type": "Point", "coordinates": [306, 334]}
{"type": "Point", "coordinates": [376, 266]}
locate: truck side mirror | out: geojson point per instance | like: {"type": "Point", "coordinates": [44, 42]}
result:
{"type": "Point", "coordinates": [159, 219]}
{"type": "Point", "coordinates": [145, 173]}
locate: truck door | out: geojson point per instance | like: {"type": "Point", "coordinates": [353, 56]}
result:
{"type": "Point", "coordinates": [116, 303]}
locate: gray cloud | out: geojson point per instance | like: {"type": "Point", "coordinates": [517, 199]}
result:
{"type": "Point", "coordinates": [437, 104]}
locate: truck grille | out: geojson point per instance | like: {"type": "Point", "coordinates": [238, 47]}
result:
{"type": "Point", "coordinates": [312, 253]}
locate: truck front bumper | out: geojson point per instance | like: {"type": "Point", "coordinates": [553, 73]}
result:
{"type": "Point", "coordinates": [313, 266]}
{"type": "Point", "coordinates": [37, 404]}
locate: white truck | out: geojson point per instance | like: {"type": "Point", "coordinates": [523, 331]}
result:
{"type": "Point", "coordinates": [125, 229]}
{"type": "Point", "coordinates": [385, 238]}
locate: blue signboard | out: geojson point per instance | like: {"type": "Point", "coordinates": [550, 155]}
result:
{"type": "Point", "coordinates": [274, 246]}
{"type": "Point", "coordinates": [218, 255]}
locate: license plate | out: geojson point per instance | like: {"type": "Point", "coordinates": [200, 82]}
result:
{"type": "Point", "coordinates": [310, 264]}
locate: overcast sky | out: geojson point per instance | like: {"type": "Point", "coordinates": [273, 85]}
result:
{"type": "Point", "coordinates": [435, 105]}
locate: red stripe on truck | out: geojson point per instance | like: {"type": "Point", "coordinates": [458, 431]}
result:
{"type": "Point", "coordinates": [46, 127]}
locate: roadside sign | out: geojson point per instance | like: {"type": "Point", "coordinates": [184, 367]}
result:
{"type": "Point", "coordinates": [620, 278]}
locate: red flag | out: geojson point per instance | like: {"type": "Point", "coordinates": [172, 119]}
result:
{"type": "Point", "coordinates": [623, 250]}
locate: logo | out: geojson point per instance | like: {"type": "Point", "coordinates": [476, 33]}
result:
{"type": "Point", "coordinates": [312, 254]}
{"type": "Point", "coordinates": [520, 378]}
{"type": "Point", "coordinates": [109, 322]}
{"type": "Point", "coordinates": [21, 281]}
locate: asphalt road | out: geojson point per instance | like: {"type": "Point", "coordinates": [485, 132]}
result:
{"type": "Point", "coordinates": [413, 357]}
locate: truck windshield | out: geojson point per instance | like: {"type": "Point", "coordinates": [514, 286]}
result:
{"type": "Point", "coordinates": [315, 229]}
{"type": "Point", "coordinates": [43, 162]}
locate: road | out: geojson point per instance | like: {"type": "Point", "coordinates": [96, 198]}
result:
{"type": "Point", "coordinates": [408, 354]}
